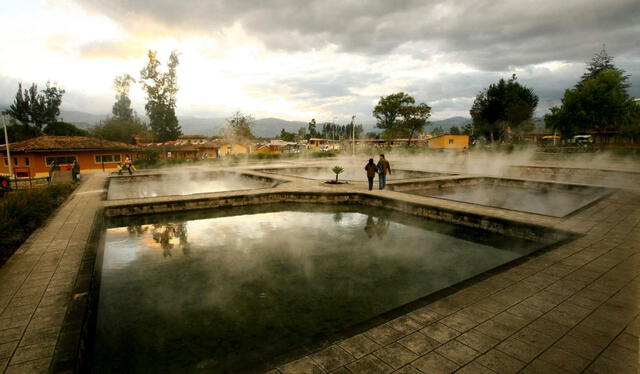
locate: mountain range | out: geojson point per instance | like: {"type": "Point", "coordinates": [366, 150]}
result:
{"type": "Point", "coordinates": [263, 127]}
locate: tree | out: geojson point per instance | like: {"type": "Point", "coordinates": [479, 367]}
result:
{"type": "Point", "coordinates": [287, 136]}
{"type": "Point", "coordinates": [337, 170]}
{"type": "Point", "coordinates": [161, 89]}
{"type": "Point", "coordinates": [598, 104]}
{"type": "Point", "coordinates": [313, 132]}
{"type": "Point", "coordinates": [122, 107]}
{"type": "Point", "coordinates": [467, 129]}
{"type": "Point", "coordinates": [64, 129]}
{"type": "Point", "coordinates": [455, 130]}
{"type": "Point", "coordinates": [31, 107]}
{"type": "Point", "coordinates": [121, 130]}
{"type": "Point", "coordinates": [52, 97]}
{"type": "Point", "coordinates": [602, 62]}
{"type": "Point", "coordinates": [503, 107]}
{"type": "Point", "coordinates": [349, 130]}
{"type": "Point", "coordinates": [437, 131]}
{"type": "Point", "coordinates": [20, 109]}
{"type": "Point", "coordinates": [398, 116]}
{"type": "Point", "coordinates": [238, 127]}
{"type": "Point", "coordinates": [302, 133]}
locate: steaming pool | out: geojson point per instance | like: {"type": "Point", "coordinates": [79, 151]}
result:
{"type": "Point", "coordinates": [548, 199]}
{"type": "Point", "coordinates": [350, 173]}
{"type": "Point", "coordinates": [227, 290]}
{"type": "Point", "coordinates": [181, 183]}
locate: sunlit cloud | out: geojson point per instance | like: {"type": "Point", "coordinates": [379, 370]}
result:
{"type": "Point", "coordinates": [316, 59]}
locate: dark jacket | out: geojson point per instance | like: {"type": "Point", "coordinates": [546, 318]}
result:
{"type": "Point", "coordinates": [371, 170]}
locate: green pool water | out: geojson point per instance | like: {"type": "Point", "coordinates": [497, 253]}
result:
{"type": "Point", "coordinates": [225, 292]}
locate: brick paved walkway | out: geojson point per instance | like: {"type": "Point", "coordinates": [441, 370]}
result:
{"type": "Point", "coordinates": [40, 284]}
{"type": "Point", "coordinates": [573, 309]}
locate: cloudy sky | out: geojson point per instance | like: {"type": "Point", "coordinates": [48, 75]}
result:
{"type": "Point", "coordinates": [320, 59]}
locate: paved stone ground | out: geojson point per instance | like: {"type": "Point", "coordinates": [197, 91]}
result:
{"type": "Point", "coordinates": [573, 309]}
{"type": "Point", "coordinates": [40, 282]}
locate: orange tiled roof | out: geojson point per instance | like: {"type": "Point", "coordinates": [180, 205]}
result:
{"type": "Point", "coordinates": [67, 143]}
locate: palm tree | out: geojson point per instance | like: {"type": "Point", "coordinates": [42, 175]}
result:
{"type": "Point", "coordinates": [337, 170]}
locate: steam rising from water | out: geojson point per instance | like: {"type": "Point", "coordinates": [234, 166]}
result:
{"type": "Point", "coordinates": [180, 182]}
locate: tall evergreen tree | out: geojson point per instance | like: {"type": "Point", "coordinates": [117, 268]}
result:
{"type": "Point", "coordinates": [122, 107]}
{"type": "Point", "coordinates": [161, 88]}
{"type": "Point", "coordinates": [37, 108]}
{"type": "Point", "coordinates": [598, 102]}
{"type": "Point", "coordinates": [20, 107]}
{"type": "Point", "coordinates": [602, 62]}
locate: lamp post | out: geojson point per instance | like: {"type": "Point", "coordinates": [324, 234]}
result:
{"type": "Point", "coordinates": [353, 134]}
{"type": "Point", "coordinates": [6, 141]}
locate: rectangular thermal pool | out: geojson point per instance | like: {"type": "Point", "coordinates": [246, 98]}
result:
{"type": "Point", "coordinates": [350, 173]}
{"type": "Point", "coordinates": [549, 199]}
{"type": "Point", "coordinates": [181, 183]}
{"type": "Point", "coordinates": [226, 291]}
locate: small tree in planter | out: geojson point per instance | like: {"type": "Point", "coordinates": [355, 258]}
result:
{"type": "Point", "coordinates": [337, 170]}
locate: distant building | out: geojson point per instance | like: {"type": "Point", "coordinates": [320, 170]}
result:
{"type": "Point", "coordinates": [449, 141]}
{"type": "Point", "coordinates": [32, 157]}
{"type": "Point", "coordinates": [196, 146]}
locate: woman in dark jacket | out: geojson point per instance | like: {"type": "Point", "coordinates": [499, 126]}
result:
{"type": "Point", "coordinates": [371, 172]}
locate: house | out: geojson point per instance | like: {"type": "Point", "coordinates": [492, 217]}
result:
{"type": "Point", "coordinates": [227, 148]}
{"type": "Point", "coordinates": [32, 157]}
{"type": "Point", "coordinates": [449, 141]}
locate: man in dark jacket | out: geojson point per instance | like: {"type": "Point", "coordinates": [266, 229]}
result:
{"type": "Point", "coordinates": [384, 168]}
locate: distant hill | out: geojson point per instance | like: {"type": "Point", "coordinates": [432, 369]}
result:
{"type": "Point", "coordinates": [269, 127]}
{"type": "Point", "coordinates": [448, 123]}
{"type": "Point", "coordinates": [82, 120]}
{"type": "Point", "coordinates": [263, 127]}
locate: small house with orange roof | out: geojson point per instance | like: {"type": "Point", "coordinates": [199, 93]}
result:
{"type": "Point", "coordinates": [32, 157]}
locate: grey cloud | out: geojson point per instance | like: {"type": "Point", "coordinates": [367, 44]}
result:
{"type": "Point", "coordinates": [491, 35]}
{"type": "Point", "coordinates": [328, 84]}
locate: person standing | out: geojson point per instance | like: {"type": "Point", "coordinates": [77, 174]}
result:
{"type": "Point", "coordinates": [371, 172]}
{"type": "Point", "coordinates": [384, 168]}
{"type": "Point", "coordinates": [128, 164]}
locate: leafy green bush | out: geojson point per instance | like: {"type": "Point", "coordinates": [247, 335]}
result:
{"type": "Point", "coordinates": [22, 212]}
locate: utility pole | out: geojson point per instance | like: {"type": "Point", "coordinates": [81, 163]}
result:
{"type": "Point", "coordinates": [353, 134]}
{"type": "Point", "coordinates": [333, 133]}
{"type": "Point", "coordinates": [6, 143]}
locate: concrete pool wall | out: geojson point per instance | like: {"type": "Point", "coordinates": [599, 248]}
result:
{"type": "Point", "coordinates": [497, 224]}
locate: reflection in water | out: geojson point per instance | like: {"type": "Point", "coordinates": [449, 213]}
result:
{"type": "Point", "coordinates": [165, 233]}
{"type": "Point", "coordinates": [379, 228]}
{"type": "Point", "coordinates": [259, 283]}
{"type": "Point", "coordinates": [137, 229]}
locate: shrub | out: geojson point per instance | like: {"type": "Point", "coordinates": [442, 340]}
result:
{"type": "Point", "coordinates": [22, 212]}
{"type": "Point", "coordinates": [337, 170]}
